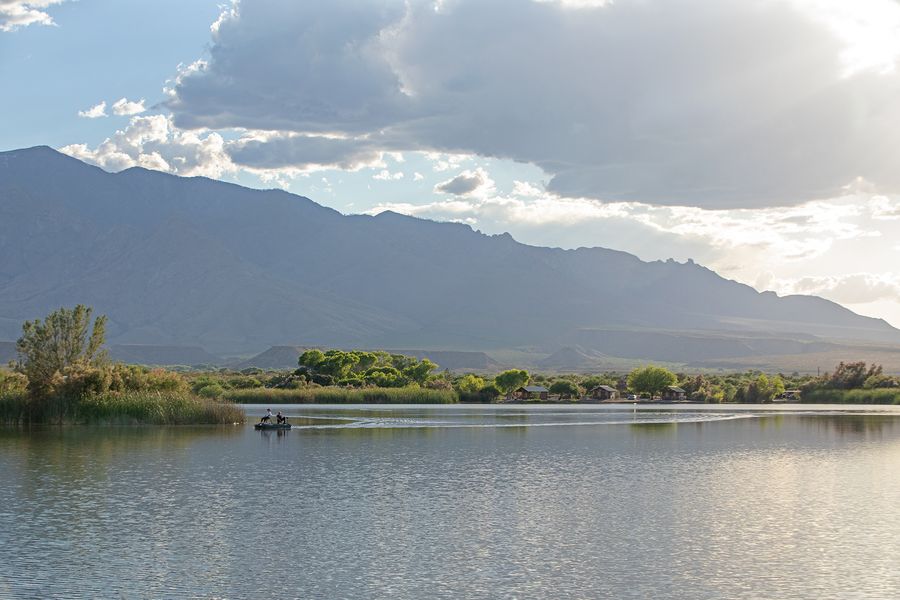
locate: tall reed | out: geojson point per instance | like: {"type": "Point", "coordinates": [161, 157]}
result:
{"type": "Point", "coordinates": [857, 396]}
{"type": "Point", "coordinates": [127, 408]}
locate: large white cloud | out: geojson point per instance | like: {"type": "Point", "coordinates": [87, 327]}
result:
{"type": "Point", "coordinates": [717, 103]}
{"type": "Point", "coordinates": [21, 13]}
{"type": "Point", "coordinates": [153, 143]}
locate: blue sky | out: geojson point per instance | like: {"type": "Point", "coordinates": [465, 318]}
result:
{"type": "Point", "coordinates": [759, 138]}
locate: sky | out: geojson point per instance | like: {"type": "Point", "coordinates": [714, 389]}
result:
{"type": "Point", "coordinates": [760, 138]}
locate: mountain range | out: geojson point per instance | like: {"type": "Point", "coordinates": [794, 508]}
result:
{"type": "Point", "coordinates": [176, 261]}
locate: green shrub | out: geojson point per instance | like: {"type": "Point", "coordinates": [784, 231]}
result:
{"type": "Point", "coordinates": [212, 390]}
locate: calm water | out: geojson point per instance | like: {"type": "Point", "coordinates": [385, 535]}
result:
{"type": "Point", "coordinates": [459, 502]}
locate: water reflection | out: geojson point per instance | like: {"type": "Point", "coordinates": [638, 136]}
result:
{"type": "Point", "coordinates": [864, 426]}
{"type": "Point", "coordinates": [458, 502]}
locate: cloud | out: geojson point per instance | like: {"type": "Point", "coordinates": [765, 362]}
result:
{"type": "Point", "coordinates": [124, 107]}
{"type": "Point", "coordinates": [305, 152]}
{"type": "Point", "coordinates": [853, 288]}
{"type": "Point", "coordinates": [385, 175]}
{"type": "Point", "coordinates": [153, 143]}
{"type": "Point", "coordinates": [466, 183]}
{"type": "Point", "coordinates": [22, 13]}
{"type": "Point", "coordinates": [94, 112]}
{"type": "Point", "coordinates": [884, 208]}
{"type": "Point", "coordinates": [671, 102]}
{"type": "Point", "coordinates": [794, 234]}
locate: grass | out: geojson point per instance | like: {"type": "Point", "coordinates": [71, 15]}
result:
{"type": "Point", "coordinates": [130, 408]}
{"type": "Point", "coordinates": [13, 407]}
{"type": "Point", "coordinates": [335, 395]}
{"type": "Point", "coordinates": [858, 396]}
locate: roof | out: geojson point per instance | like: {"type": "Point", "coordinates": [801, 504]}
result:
{"type": "Point", "coordinates": [676, 389]}
{"type": "Point", "coordinates": [605, 388]}
{"type": "Point", "coordinates": [535, 388]}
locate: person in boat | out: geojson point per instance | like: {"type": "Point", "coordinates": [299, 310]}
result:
{"type": "Point", "coordinates": [280, 418]}
{"type": "Point", "coordinates": [266, 418]}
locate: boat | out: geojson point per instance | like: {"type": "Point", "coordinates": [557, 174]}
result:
{"type": "Point", "coordinates": [269, 426]}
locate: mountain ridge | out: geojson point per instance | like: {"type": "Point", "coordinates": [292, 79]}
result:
{"type": "Point", "coordinates": [195, 261]}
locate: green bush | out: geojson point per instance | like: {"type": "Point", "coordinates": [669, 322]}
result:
{"type": "Point", "coordinates": [212, 390]}
{"type": "Point", "coordinates": [334, 395]}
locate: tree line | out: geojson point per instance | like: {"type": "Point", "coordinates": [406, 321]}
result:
{"type": "Point", "coordinates": [62, 362]}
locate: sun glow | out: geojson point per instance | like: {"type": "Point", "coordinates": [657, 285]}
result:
{"type": "Point", "coordinates": [870, 30]}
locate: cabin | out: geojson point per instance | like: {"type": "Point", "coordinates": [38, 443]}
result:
{"type": "Point", "coordinates": [673, 393]}
{"type": "Point", "coordinates": [532, 392]}
{"type": "Point", "coordinates": [604, 392]}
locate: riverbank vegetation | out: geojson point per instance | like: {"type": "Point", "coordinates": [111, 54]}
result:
{"type": "Point", "coordinates": [853, 383]}
{"type": "Point", "coordinates": [64, 376]}
{"type": "Point", "coordinates": [359, 384]}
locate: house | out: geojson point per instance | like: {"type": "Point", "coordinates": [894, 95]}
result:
{"type": "Point", "coordinates": [604, 392]}
{"type": "Point", "coordinates": [673, 393]}
{"type": "Point", "coordinates": [532, 392]}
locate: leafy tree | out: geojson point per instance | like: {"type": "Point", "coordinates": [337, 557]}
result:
{"type": "Point", "coordinates": [881, 381]}
{"type": "Point", "coordinates": [469, 384]}
{"type": "Point", "coordinates": [401, 362]}
{"type": "Point", "coordinates": [565, 389]}
{"type": "Point", "coordinates": [849, 376]}
{"type": "Point", "coordinates": [365, 361]}
{"type": "Point", "coordinates": [508, 381]}
{"type": "Point", "coordinates": [311, 358]}
{"type": "Point", "coordinates": [59, 343]}
{"type": "Point", "coordinates": [489, 392]}
{"type": "Point", "coordinates": [337, 363]}
{"type": "Point", "coordinates": [385, 377]}
{"type": "Point", "coordinates": [419, 371]}
{"type": "Point", "coordinates": [650, 379]}
{"type": "Point", "coordinates": [760, 389]}
{"type": "Point", "coordinates": [12, 382]}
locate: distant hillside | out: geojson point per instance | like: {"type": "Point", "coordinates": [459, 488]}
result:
{"type": "Point", "coordinates": [7, 352]}
{"type": "Point", "coordinates": [162, 355]}
{"type": "Point", "coordinates": [572, 359]}
{"type": "Point", "coordinates": [195, 262]}
{"type": "Point", "coordinates": [276, 357]}
{"type": "Point", "coordinates": [456, 360]}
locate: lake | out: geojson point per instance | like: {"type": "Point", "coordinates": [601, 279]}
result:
{"type": "Point", "coordinates": [461, 502]}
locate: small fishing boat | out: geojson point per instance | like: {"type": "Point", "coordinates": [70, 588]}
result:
{"type": "Point", "coordinates": [267, 426]}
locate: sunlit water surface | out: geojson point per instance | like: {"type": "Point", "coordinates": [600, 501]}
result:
{"type": "Point", "coordinates": [460, 502]}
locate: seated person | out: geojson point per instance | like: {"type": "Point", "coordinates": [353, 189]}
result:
{"type": "Point", "coordinates": [266, 418]}
{"type": "Point", "coordinates": [280, 419]}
